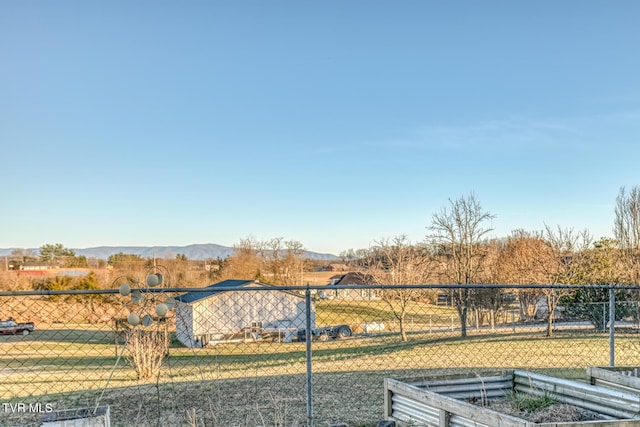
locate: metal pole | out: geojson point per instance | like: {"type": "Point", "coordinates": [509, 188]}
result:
{"type": "Point", "coordinates": [308, 337]}
{"type": "Point", "coordinates": [612, 321]}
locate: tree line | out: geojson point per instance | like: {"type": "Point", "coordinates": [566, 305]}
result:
{"type": "Point", "coordinates": [455, 251]}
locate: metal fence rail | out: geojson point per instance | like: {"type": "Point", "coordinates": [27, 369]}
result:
{"type": "Point", "coordinates": [282, 356]}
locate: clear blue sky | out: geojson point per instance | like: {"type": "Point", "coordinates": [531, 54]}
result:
{"type": "Point", "coordinates": [335, 123]}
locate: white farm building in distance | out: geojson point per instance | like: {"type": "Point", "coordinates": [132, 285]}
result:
{"type": "Point", "coordinates": [230, 307]}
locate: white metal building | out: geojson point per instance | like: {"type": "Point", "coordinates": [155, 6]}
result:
{"type": "Point", "coordinates": [220, 311]}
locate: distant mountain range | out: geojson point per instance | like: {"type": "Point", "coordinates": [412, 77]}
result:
{"type": "Point", "coordinates": [193, 252]}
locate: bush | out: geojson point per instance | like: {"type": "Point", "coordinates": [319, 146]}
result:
{"type": "Point", "coordinates": [147, 349]}
{"type": "Point", "coordinates": [57, 283]}
{"type": "Point", "coordinates": [88, 282]}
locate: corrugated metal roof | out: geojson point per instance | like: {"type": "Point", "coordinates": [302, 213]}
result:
{"type": "Point", "coordinates": [212, 290]}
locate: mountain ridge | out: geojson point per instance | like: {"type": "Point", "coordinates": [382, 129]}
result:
{"type": "Point", "coordinates": [197, 251]}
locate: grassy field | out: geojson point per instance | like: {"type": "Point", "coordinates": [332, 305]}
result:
{"type": "Point", "coordinates": [315, 278]}
{"type": "Point", "coordinates": [263, 383]}
{"type": "Point", "coordinates": [418, 313]}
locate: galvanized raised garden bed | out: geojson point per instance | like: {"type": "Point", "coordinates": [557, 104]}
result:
{"type": "Point", "coordinates": [81, 417]}
{"type": "Point", "coordinates": [457, 400]}
{"type": "Point", "coordinates": [622, 378]}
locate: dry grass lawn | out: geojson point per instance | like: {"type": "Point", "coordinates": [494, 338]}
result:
{"type": "Point", "coordinates": [74, 364]}
{"type": "Point", "coordinates": [264, 383]}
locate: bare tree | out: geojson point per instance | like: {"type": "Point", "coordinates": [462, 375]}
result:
{"type": "Point", "coordinates": [563, 261]}
{"type": "Point", "coordinates": [457, 234]}
{"type": "Point", "coordinates": [23, 255]}
{"type": "Point", "coordinates": [398, 262]}
{"type": "Point", "coordinates": [355, 258]}
{"type": "Point", "coordinates": [627, 230]}
{"type": "Point", "coordinates": [275, 261]}
{"type": "Point", "coordinates": [517, 265]}
{"type": "Point", "coordinates": [283, 261]}
{"type": "Point", "coordinates": [245, 262]}
{"type": "Point", "coordinates": [488, 302]}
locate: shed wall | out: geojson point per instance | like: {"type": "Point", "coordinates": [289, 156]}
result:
{"type": "Point", "coordinates": [184, 324]}
{"type": "Point", "coordinates": [230, 312]}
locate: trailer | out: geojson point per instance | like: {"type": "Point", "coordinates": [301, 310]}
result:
{"type": "Point", "coordinates": [325, 333]}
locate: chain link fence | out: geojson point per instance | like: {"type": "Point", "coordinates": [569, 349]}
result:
{"type": "Point", "coordinates": [244, 354]}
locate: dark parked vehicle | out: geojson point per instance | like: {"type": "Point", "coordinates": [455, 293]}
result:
{"type": "Point", "coordinates": [325, 333]}
{"type": "Point", "coordinates": [10, 327]}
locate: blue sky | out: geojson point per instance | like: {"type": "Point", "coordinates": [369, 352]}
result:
{"type": "Point", "coordinates": [335, 123]}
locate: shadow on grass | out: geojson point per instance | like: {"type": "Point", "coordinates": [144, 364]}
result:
{"type": "Point", "coordinates": [76, 336]}
{"type": "Point", "coordinates": [256, 355]}
{"type": "Point", "coordinates": [238, 357]}
{"type": "Point", "coordinates": [383, 346]}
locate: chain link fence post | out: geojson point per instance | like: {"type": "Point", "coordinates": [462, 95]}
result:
{"type": "Point", "coordinates": [612, 325]}
{"type": "Point", "coordinates": [309, 337]}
